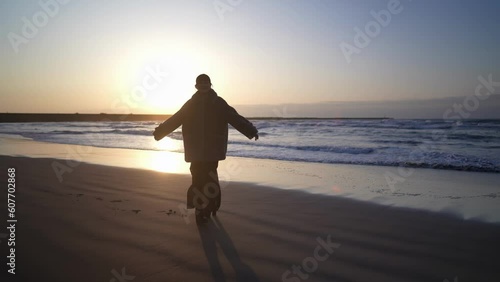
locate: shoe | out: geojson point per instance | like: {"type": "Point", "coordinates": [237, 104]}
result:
{"type": "Point", "coordinates": [200, 217]}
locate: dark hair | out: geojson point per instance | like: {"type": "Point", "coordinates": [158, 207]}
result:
{"type": "Point", "coordinates": [203, 79]}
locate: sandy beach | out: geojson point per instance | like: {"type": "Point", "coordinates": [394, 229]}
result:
{"type": "Point", "coordinates": [110, 223]}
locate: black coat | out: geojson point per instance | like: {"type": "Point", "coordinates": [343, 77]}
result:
{"type": "Point", "coordinates": [204, 119]}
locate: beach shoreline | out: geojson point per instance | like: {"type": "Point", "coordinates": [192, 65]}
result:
{"type": "Point", "coordinates": [467, 195]}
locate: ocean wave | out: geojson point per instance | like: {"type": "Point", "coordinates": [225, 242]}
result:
{"type": "Point", "coordinates": [61, 132]}
{"type": "Point", "coordinates": [176, 135]}
{"type": "Point", "coordinates": [467, 136]}
{"type": "Point", "coordinates": [408, 126]}
{"type": "Point", "coordinates": [143, 132]}
{"type": "Point", "coordinates": [406, 142]}
{"type": "Point", "coordinates": [472, 167]}
{"type": "Point", "coordinates": [331, 149]}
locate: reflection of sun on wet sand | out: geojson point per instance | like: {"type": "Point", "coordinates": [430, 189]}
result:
{"type": "Point", "coordinates": [103, 220]}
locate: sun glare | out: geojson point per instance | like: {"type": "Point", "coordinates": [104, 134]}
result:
{"type": "Point", "coordinates": [165, 77]}
{"type": "Point", "coordinates": [166, 159]}
{"type": "Point", "coordinates": [168, 144]}
{"type": "Point", "coordinates": [173, 92]}
{"type": "Point", "coordinates": [167, 162]}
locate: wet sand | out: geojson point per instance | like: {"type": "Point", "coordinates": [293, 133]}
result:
{"type": "Point", "coordinates": [102, 223]}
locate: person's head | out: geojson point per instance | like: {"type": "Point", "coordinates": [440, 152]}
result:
{"type": "Point", "coordinates": [203, 83]}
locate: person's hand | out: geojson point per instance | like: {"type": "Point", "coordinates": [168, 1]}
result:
{"type": "Point", "coordinates": [256, 137]}
{"type": "Point", "coordinates": [155, 134]}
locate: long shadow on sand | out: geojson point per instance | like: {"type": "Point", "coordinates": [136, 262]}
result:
{"type": "Point", "coordinates": [213, 233]}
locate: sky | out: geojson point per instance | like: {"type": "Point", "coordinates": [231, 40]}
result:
{"type": "Point", "coordinates": [69, 56]}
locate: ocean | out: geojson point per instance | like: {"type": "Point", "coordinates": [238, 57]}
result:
{"type": "Point", "coordinates": [466, 145]}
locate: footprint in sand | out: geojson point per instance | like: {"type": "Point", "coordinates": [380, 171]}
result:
{"type": "Point", "coordinates": [169, 212]}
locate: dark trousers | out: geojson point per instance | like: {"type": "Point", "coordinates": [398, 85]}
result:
{"type": "Point", "coordinates": [204, 192]}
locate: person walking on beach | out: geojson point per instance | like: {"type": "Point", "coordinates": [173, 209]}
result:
{"type": "Point", "coordinates": [204, 119]}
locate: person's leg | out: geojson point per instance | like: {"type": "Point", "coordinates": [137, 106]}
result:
{"type": "Point", "coordinates": [213, 182]}
{"type": "Point", "coordinates": [211, 170]}
{"type": "Point", "coordinates": [196, 181]}
{"type": "Point", "coordinates": [205, 189]}
{"type": "Point", "coordinates": [201, 193]}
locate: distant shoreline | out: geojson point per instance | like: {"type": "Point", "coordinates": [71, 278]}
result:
{"type": "Point", "coordinates": [77, 117]}
{"type": "Point", "coordinates": [33, 117]}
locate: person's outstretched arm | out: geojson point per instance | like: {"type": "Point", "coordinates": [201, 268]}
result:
{"type": "Point", "coordinates": [171, 124]}
{"type": "Point", "coordinates": [240, 123]}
